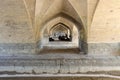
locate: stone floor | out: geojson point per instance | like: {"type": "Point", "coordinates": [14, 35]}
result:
{"type": "Point", "coordinates": [60, 78]}
{"type": "Point", "coordinates": [61, 51]}
{"type": "Point", "coordinates": [59, 64]}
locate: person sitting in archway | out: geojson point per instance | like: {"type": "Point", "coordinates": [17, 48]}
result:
{"type": "Point", "coordinates": [51, 39]}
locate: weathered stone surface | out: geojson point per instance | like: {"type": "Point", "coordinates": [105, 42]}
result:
{"type": "Point", "coordinates": [14, 23]}
{"type": "Point", "coordinates": [41, 65]}
{"type": "Point", "coordinates": [17, 48]}
{"type": "Point", "coordinates": [60, 78]}
{"type": "Point", "coordinates": [25, 28]}
{"type": "Point", "coordinates": [104, 48]}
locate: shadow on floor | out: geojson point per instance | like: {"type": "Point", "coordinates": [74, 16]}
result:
{"type": "Point", "coordinates": [69, 50]}
{"type": "Point", "coordinates": [65, 78]}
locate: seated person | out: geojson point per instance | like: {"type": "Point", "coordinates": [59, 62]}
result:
{"type": "Point", "coordinates": [51, 39]}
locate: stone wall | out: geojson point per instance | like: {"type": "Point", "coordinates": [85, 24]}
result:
{"type": "Point", "coordinates": [36, 67]}
{"type": "Point", "coordinates": [16, 35]}
{"type": "Point", "coordinates": [104, 49]}
{"type": "Point", "coordinates": [104, 34]}
{"type": "Point", "coordinates": [17, 19]}
{"type": "Point", "coordinates": [22, 23]}
{"type": "Point", "coordinates": [105, 25]}
{"type": "Point", "coordinates": [59, 64]}
{"type": "Point", "coordinates": [60, 78]}
{"type": "Point", "coordinates": [8, 49]}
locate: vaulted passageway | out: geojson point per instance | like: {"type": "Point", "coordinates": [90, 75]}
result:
{"type": "Point", "coordinates": [60, 29]}
{"type": "Point", "coordinates": [60, 32]}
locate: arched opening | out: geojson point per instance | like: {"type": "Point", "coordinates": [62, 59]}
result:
{"type": "Point", "coordinates": [60, 32]}
{"type": "Point", "coordinates": [58, 25]}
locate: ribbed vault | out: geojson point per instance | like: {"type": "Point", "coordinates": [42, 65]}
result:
{"type": "Point", "coordinates": [42, 12]}
{"type": "Point", "coordinates": [92, 6]}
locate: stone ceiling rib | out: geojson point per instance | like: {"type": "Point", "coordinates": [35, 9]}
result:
{"type": "Point", "coordinates": [95, 8]}
{"type": "Point", "coordinates": [30, 8]}
{"type": "Point", "coordinates": [92, 6]}
{"type": "Point", "coordinates": [80, 6]}
{"type": "Point", "coordinates": [45, 10]}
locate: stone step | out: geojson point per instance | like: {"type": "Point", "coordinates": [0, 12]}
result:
{"type": "Point", "coordinates": [62, 65]}
{"type": "Point", "coordinates": [60, 78]}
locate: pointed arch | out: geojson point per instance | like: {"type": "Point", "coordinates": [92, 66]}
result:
{"type": "Point", "coordinates": [77, 32]}
{"type": "Point", "coordinates": [60, 31]}
{"type": "Point", "coordinates": [63, 26]}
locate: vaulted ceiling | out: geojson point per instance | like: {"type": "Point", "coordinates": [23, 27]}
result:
{"type": "Point", "coordinates": [88, 14]}
{"type": "Point", "coordinates": [41, 11]}
{"type": "Point", "coordinates": [37, 13]}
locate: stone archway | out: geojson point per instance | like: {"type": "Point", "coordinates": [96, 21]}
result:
{"type": "Point", "coordinates": [60, 32]}
{"type": "Point", "coordinates": [68, 25]}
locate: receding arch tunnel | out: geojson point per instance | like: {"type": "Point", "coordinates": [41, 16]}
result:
{"type": "Point", "coordinates": [60, 32]}
{"type": "Point", "coordinates": [46, 14]}
{"type": "Point", "coordinates": [62, 26]}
